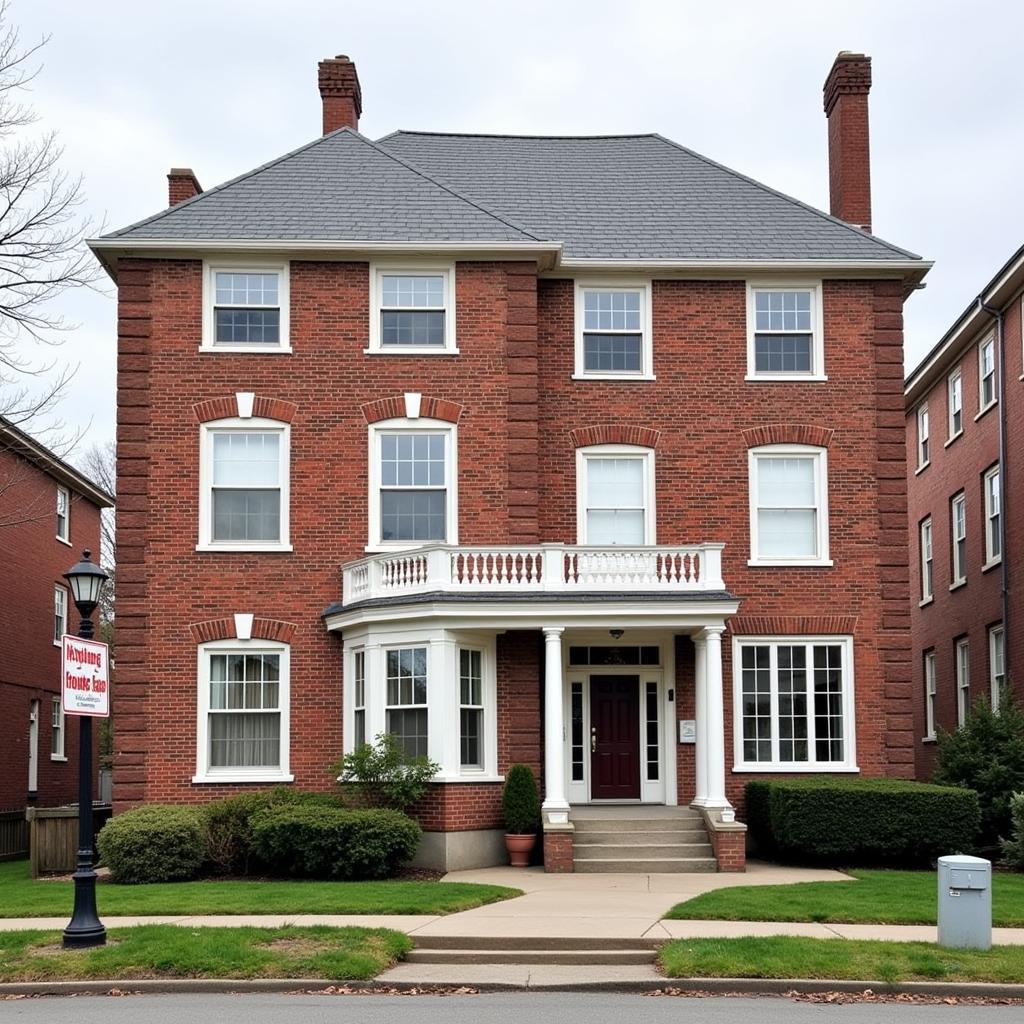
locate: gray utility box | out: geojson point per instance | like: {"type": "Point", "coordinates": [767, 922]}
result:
{"type": "Point", "coordinates": [965, 902]}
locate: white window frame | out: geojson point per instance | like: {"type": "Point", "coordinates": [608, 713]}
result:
{"type": "Point", "coordinates": [616, 451]}
{"type": "Point", "coordinates": [206, 774]}
{"type": "Point", "coordinates": [60, 596]}
{"type": "Point", "coordinates": [451, 473]}
{"type": "Point", "coordinates": [984, 406]}
{"type": "Point", "coordinates": [849, 763]}
{"type": "Point", "coordinates": [930, 690]}
{"type": "Point", "coordinates": [992, 558]}
{"type": "Point", "coordinates": [927, 552]}
{"type": "Point", "coordinates": [58, 730]}
{"type": "Point", "coordinates": [65, 537]}
{"type": "Point", "coordinates": [956, 377]}
{"type": "Point", "coordinates": [359, 696]}
{"type": "Point", "coordinates": [376, 346]}
{"type": "Point", "coordinates": [209, 333]}
{"type": "Point", "coordinates": [962, 668]}
{"type": "Point", "coordinates": [644, 288]}
{"type": "Point", "coordinates": [817, 329]}
{"type": "Point", "coordinates": [958, 563]}
{"type": "Point", "coordinates": [996, 659]}
{"type": "Point", "coordinates": [923, 436]}
{"type": "Point", "coordinates": [253, 425]}
{"type": "Point", "coordinates": [820, 456]}
{"type": "Point", "coordinates": [482, 707]}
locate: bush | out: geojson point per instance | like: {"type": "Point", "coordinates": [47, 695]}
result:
{"type": "Point", "coordinates": [381, 775]}
{"type": "Point", "coordinates": [333, 843]}
{"type": "Point", "coordinates": [986, 754]}
{"type": "Point", "coordinates": [155, 843]}
{"type": "Point", "coordinates": [1013, 848]}
{"type": "Point", "coordinates": [860, 822]}
{"type": "Point", "coordinates": [520, 805]}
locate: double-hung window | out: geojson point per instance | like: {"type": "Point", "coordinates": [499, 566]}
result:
{"type": "Point", "coordinates": [784, 332]}
{"type": "Point", "coordinates": [794, 704]}
{"type": "Point", "coordinates": [615, 495]}
{"type": "Point", "coordinates": [927, 577]}
{"type": "Point", "coordinates": [923, 440]}
{"type": "Point", "coordinates": [993, 516]}
{"type": "Point", "coordinates": [929, 695]}
{"type": "Point", "coordinates": [412, 311]}
{"type": "Point", "coordinates": [996, 664]}
{"type": "Point", "coordinates": [471, 709]}
{"type": "Point", "coordinates": [962, 659]}
{"type": "Point", "coordinates": [958, 538]}
{"type": "Point", "coordinates": [789, 505]}
{"type": "Point", "coordinates": [243, 499]}
{"type": "Point", "coordinates": [56, 730]}
{"type": "Point", "coordinates": [406, 693]}
{"type": "Point", "coordinates": [613, 331]}
{"type": "Point", "coordinates": [986, 374]}
{"type": "Point", "coordinates": [955, 395]}
{"type": "Point", "coordinates": [60, 613]}
{"type": "Point", "coordinates": [63, 514]}
{"type": "Point", "coordinates": [359, 699]}
{"type": "Point", "coordinates": [245, 308]}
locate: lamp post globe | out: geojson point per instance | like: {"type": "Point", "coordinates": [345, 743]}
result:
{"type": "Point", "coordinates": [85, 581]}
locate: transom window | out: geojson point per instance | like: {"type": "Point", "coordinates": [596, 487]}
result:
{"type": "Point", "coordinates": [412, 310]}
{"type": "Point", "coordinates": [794, 704]}
{"type": "Point", "coordinates": [986, 373]}
{"type": "Point", "coordinates": [471, 708]}
{"type": "Point", "coordinates": [993, 516]}
{"type": "Point", "coordinates": [929, 695]}
{"type": "Point", "coordinates": [616, 495]}
{"type": "Point", "coordinates": [60, 613]}
{"type": "Point", "coordinates": [955, 389]}
{"type": "Point", "coordinates": [789, 504]}
{"type": "Point", "coordinates": [406, 689]}
{"type": "Point", "coordinates": [962, 654]}
{"type": "Point", "coordinates": [63, 513]}
{"type": "Point", "coordinates": [246, 308]}
{"type": "Point", "coordinates": [784, 331]}
{"type": "Point", "coordinates": [927, 579]}
{"type": "Point", "coordinates": [923, 439]}
{"type": "Point", "coordinates": [996, 664]}
{"type": "Point", "coordinates": [613, 332]}
{"type": "Point", "coordinates": [958, 529]}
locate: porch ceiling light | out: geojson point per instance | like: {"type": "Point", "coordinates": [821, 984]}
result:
{"type": "Point", "coordinates": [616, 634]}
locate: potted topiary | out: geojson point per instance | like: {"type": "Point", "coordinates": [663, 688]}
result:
{"type": "Point", "coordinates": [520, 807]}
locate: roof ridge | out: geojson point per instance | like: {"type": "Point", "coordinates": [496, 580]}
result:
{"type": "Point", "coordinates": [788, 198]}
{"type": "Point", "coordinates": [513, 135]}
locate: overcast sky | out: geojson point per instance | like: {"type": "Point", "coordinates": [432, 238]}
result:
{"type": "Point", "coordinates": [135, 87]}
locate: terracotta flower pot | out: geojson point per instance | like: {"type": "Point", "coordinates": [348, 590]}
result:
{"type": "Point", "coordinates": [519, 848]}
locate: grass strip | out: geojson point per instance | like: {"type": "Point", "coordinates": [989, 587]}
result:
{"type": "Point", "coordinates": [169, 951]}
{"type": "Point", "coordinates": [876, 897]}
{"type": "Point", "coordinates": [839, 959]}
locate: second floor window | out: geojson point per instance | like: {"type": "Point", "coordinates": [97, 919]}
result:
{"type": "Point", "coordinates": [615, 495]}
{"type": "Point", "coordinates": [63, 514]}
{"type": "Point", "coordinates": [958, 527]}
{"type": "Point", "coordinates": [996, 664]}
{"type": "Point", "coordinates": [246, 308]}
{"type": "Point", "coordinates": [927, 581]}
{"type": "Point", "coordinates": [613, 331]}
{"type": "Point", "coordinates": [923, 440]}
{"type": "Point", "coordinates": [993, 516]}
{"type": "Point", "coordinates": [954, 386]}
{"type": "Point", "coordinates": [962, 653]}
{"type": "Point", "coordinates": [785, 334]}
{"type": "Point", "coordinates": [412, 311]}
{"type": "Point", "coordinates": [986, 374]}
{"type": "Point", "coordinates": [60, 613]}
{"type": "Point", "coordinates": [929, 695]}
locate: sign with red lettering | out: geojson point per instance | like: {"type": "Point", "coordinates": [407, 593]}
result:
{"type": "Point", "coordinates": [85, 677]}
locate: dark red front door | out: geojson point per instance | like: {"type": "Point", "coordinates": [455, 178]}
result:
{"type": "Point", "coordinates": [615, 737]}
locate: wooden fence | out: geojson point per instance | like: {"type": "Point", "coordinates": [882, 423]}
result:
{"type": "Point", "coordinates": [13, 835]}
{"type": "Point", "coordinates": [54, 837]}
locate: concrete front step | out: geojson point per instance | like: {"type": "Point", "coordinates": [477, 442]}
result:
{"type": "Point", "coordinates": [690, 835]}
{"type": "Point", "coordinates": [506, 943]}
{"type": "Point", "coordinates": [637, 824]}
{"type": "Point", "coordinates": [531, 956]}
{"type": "Point", "coordinates": [642, 865]}
{"type": "Point", "coordinates": [651, 851]}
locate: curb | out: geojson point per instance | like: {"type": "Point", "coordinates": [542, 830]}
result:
{"type": "Point", "coordinates": [314, 986]}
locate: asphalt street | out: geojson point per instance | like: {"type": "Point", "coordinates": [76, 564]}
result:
{"type": "Point", "coordinates": [495, 1008]}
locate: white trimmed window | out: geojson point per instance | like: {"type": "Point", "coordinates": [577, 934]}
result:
{"type": "Point", "coordinates": [245, 308]}
{"type": "Point", "coordinates": [471, 709]}
{"type": "Point", "coordinates": [958, 538]}
{"type": "Point", "coordinates": [987, 391]}
{"type": "Point", "coordinates": [785, 334]}
{"type": "Point", "coordinates": [789, 505]}
{"type": "Point", "coordinates": [929, 695]}
{"type": "Point", "coordinates": [955, 396]}
{"type": "Point", "coordinates": [794, 704]}
{"type": "Point", "coordinates": [60, 613]}
{"type": "Point", "coordinates": [63, 514]}
{"type": "Point", "coordinates": [613, 331]}
{"type": "Point", "coordinates": [993, 516]}
{"type": "Point", "coordinates": [962, 659]}
{"type": "Point", "coordinates": [56, 730]}
{"type": "Point", "coordinates": [923, 439]}
{"type": "Point", "coordinates": [242, 730]}
{"type": "Point", "coordinates": [359, 699]}
{"type": "Point", "coordinates": [412, 310]}
{"type": "Point", "coordinates": [244, 485]}
{"type": "Point", "coordinates": [996, 664]}
{"type": "Point", "coordinates": [927, 577]}
{"type": "Point", "coordinates": [615, 495]}
{"type": "Point", "coordinates": [413, 483]}
{"type": "Point", "coordinates": [406, 713]}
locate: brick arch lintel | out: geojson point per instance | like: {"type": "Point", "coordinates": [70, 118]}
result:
{"type": "Point", "coordinates": [224, 629]}
{"type": "Point", "coordinates": [614, 433]}
{"type": "Point", "coordinates": [793, 625]}
{"type": "Point", "coordinates": [394, 408]}
{"type": "Point", "coordinates": [225, 407]}
{"type": "Point", "coordinates": [788, 433]}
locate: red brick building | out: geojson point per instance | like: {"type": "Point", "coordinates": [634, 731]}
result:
{"type": "Point", "coordinates": [579, 452]}
{"type": "Point", "coordinates": [49, 513]}
{"type": "Point", "coordinates": [965, 433]}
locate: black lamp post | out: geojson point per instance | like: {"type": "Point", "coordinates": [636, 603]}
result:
{"type": "Point", "coordinates": [85, 929]}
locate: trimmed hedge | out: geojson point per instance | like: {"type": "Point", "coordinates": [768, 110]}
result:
{"type": "Point", "coordinates": [332, 843]}
{"type": "Point", "coordinates": [155, 843]}
{"type": "Point", "coordinates": [860, 822]}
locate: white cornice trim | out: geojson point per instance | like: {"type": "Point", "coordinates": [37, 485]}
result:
{"type": "Point", "coordinates": [859, 268]}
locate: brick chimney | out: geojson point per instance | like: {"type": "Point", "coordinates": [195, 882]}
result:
{"type": "Point", "coordinates": [182, 184]}
{"type": "Point", "coordinates": [339, 90]}
{"type": "Point", "coordinates": [849, 162]}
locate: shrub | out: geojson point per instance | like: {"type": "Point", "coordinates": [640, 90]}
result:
{"type": "Point", "coordinates": [520, 805]}
{"type": "Point", "coordinates": [333, 843]}
{"type": "Point", "coordinates": [986, 754]}
{"type": "Point", "coordinates": [155, 843]}
{"type": "Point", "coordinates": [381, 775]}
{"type": "Point", "coordinates": [860, 822]}
{"type": "Point", "coordinates": [1013, 848]}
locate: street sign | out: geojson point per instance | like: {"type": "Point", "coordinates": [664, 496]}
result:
{"type": "Point", "coordinates": [85, 677]}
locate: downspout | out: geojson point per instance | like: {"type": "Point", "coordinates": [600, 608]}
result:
{"type": "Point", "coordinates": [1005, 564]}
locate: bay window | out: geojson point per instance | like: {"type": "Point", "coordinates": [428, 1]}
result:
{"type": "Point", "coordinates": [407, 715]}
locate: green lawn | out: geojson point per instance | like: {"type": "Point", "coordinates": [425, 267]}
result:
{"type": "Point", "coordinates": [21, 897]}
{"type": "Point", "coordinates": [845, 959]}
{"type": "Point", "coordinates": [876, 897]}
{"type": "Point", "coordinates": [168, 951]}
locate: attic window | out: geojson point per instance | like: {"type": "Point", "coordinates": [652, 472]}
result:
{"type": "Point", "coordinates": [246, 308]}
{"type": "Point", "coordinates": [412, 310]}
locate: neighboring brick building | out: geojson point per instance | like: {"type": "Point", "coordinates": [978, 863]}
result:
{"type": "Point", "coordinates": [965, 439]}
{"type": "Point", "coordinates": [535, 394]}
{"type": "Point", "coordinates": [49, 513]}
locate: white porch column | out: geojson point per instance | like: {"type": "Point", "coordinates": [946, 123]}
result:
{"type": "Point", "coordinates": [700, 676]}
{"type": "Point", "coordinates": [715, 713]}
{"type": "Point", "coordinates": [555, 806]}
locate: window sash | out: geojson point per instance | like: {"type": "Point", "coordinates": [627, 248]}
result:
{"type": "Point", "coordinates": [987, 373]}
{"type": "Point", "coordinates": [409, 316]}
{"type": "Point", "coordinates": [63, 507]}
{"type": "Point", "coordinates": [774, 519]}
{"type": "Point", "coordinates": [958, 526]}
{"type": "Point", "coordinates": [927, 578]}
{"type": "Point", "coordinates": [963, 680]}
{"type": "Point", "coordinates": [246, 471]}
{"type": "Point", "coordinates": [405, 693]}
{"type": "Point", "coordinates": [235, 313]}
{"type": "Point", "coordinates": [929, 694]}
{"type": "Point", "coordinates": [997, 664]}
{"type": "Point", "coordinates": [993, 513]}
{"type": "Point", "coordinates": [244, 709]}
{"type": "Point", "coordinates": [783, 331]}
{"type": "Point", "coordinates": [956, 403]}
{"type": "Point", "coordinates": [606, 520]}
{"type": "Point", "coordinates": [358, 699]}
{"type": "Point", "coordinates": [56, 728]}
{"type": "Point", "coordinates": [60, 613]}
{"type": "Point", "coordinates": [923, 438]}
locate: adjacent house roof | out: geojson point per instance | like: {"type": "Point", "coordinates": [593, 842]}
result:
{"type": "Point", "coordinates": [631, 197]}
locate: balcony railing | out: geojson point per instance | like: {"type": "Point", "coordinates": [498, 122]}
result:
{"type": "Point", "coordinates": [536, 569]}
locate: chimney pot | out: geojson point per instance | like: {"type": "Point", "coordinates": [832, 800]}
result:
{"type": "Point", "coordinates": [339, 90]}
{"type": "Point", "coordinates": [182, 184]}
{"type": "Point", "coordinates": [849, 157]}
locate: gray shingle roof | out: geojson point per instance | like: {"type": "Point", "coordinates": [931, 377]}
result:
{"type": "Point", "coordinates": [616, 197]}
